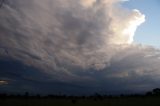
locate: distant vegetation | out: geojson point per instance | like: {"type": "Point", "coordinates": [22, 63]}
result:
{"type": "Point", "coordinates": [151, 98]}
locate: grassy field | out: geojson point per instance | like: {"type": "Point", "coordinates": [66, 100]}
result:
{"type": "Point", "coordinates": [130, 101]}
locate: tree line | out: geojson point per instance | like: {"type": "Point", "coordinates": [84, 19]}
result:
{"type": "Point", "coordinates": [96, 96]}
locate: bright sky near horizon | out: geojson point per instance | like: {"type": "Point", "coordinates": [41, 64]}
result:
{"type": "Point", "coordinates": [147, 33]}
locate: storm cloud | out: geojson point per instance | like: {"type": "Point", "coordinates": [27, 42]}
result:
{"type": "Point", "coordinates": [82, 43]}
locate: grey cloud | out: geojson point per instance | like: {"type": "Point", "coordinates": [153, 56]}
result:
{"type": "Point", "coordinates": [77, 46]}
{"type": "Point", "coordinates": [65, 32]}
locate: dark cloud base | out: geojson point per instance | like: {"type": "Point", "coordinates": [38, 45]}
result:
{"type": "Point", "coordinates": [22, 78]}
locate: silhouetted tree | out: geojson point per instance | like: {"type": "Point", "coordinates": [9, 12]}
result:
{"type": "Point", "coordinates": [3, 96]}
{"type": "Point", "coordinates": [156, 91]}
{"type": "Point", "coordinates": [149, 93]}
{"type": "Point", "coordinates": [26, 95]}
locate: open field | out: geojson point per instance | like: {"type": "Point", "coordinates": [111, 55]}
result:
{"type": "Point", "coordinates": [121, 101]}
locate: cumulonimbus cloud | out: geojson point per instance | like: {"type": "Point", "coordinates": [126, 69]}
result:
{"type": "Point", "coordinates": [81, 33]}
{"type": "Point", "coordinates": [61, 36]}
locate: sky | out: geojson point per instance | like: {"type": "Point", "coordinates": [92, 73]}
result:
{"type": "Point", "coordinates": [147, 33]}
{"type": "Point", "coordinates": [79, 47]}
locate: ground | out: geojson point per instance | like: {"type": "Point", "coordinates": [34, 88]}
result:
{"type": "Point", "coordinates": [120, 101]}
